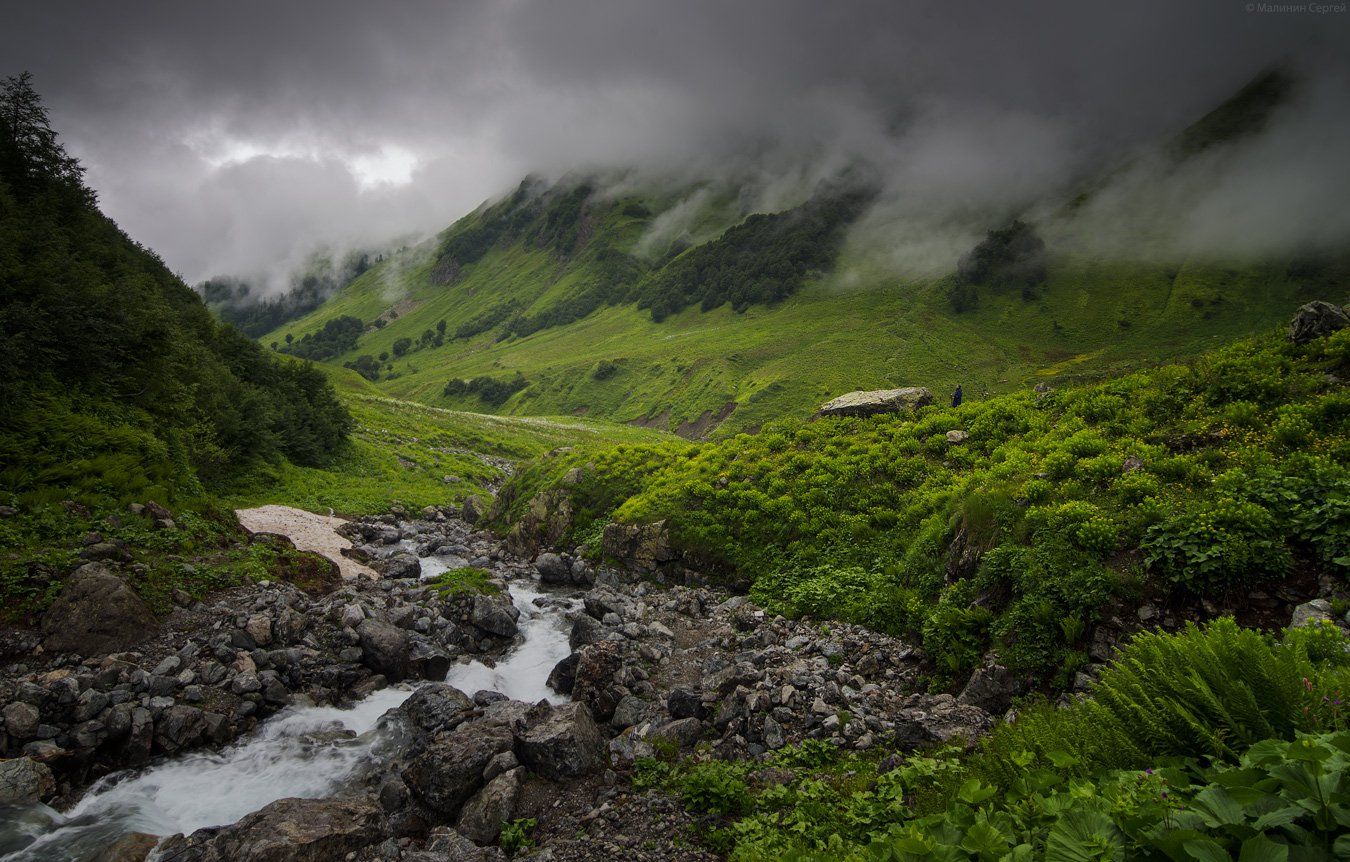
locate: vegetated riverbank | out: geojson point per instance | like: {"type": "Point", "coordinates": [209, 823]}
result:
{"type": "Point", "coordinates": [657, 694]}
{"type": "Point", "coordinates": [217, 670]}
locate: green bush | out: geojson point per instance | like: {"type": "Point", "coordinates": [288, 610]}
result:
{"type": "Point", "coordinates": [715, 787]}
{"type": "Point", "coordinates": [1217, 546]}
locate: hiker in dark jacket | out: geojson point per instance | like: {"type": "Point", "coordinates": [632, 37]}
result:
{"type": "Point", "coordinates": [956, 397]}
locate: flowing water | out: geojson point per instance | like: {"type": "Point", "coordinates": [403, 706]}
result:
{"type": "Point", "coordinates": [303, 752]}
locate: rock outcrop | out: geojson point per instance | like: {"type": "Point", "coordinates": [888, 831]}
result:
{"type": "Point", "coordinates": [288, 830]}
{"type": "Point", "coordinates": [1317, 319]}
{"type": "Point", "coordinates": [876, 401]}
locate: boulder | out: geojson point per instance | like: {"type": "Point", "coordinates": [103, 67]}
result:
{"type": "Point", "coordinates": [96, 613]}
{"type": "Point", "coordinates": [402, 565]}
{"type": "Point", "coordinates": [939, 719]}
{"type": "Point", "coordinates": [566, 743]}
{"type": "Point", "coordinates": [1310, 613]}
{"type": "Point", "coordinates": [876, 401]}
{"type": "Point", "coordinates": [553, 569]}
{"type": "Point", "coordinates": [426, 660]}
{"type": "Point", "coordinates": [683, 732]}
{"type": "Point", "coordinates": [685, 703]}
{"type": "Point", "coordinates": [473, 510]}
{"type": "Point", "coordinates": [495, 615]}
{"type": "Point", "coordinates": [586, 630]}
{"type": "Point", "coordinates": [1317, 319]}
{"type": "Point", "coordinates": [288, 830]}
{"type": "Point", "coordinates": [546, 520]}
{"type": "Point", "coordinates": [957, 436]}
{"type": "Point", "coordinates": [384, 648]}
{"type": "Point", "coordinates": [437, 707]}
{"type": "Point", "coordinates": [179, 727]}
{"type": "Point", "coordinates": [563, 677]}
{"type": "Point", "coordinates": [630, 711]}
{"type": "Point", "coordinates": [24, 780]}
{"type": "Point", "coordinates": [450, 768]}
{"type": "Point", "coordinates": [21, 719]}
{"type": "Point", "coordinates": [132, 847]}
{"type": "Point", "coordinates": [991, 688]}
{"type": "Point", "coordinates": [482, 817]}
{"type": "Point", "coordinates": [594, 683]}
{"type": "Point", "coordinates": [445, 844]}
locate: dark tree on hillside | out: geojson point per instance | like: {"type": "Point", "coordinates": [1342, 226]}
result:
{"type": "Point", "coordinates": [1011, 255]}
{"type": "Point", "coordinates": [29, 150]}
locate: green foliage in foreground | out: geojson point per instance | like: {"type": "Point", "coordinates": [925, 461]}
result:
{"type": "Point", "coordinates": [1234, 764]}
{"type": "Point", "coordinates": [1209, 479]}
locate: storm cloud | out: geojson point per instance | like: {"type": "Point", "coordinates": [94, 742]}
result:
{"type": "Point", "coordinates": [235, 138]}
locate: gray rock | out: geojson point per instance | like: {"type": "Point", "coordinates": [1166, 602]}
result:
{"type": "Point", "coordinates": [180, 726]}
{"type": "Point", "coordinates": [630, 711]}
{"type": "Point", "coordinates": [586, 630]}
{"type": "Point", "coordinates": [553, 569]}
{"type": "Point", "coordinates": [992, 688]}
{"type": "Point", "coordinates": [645, 547]}
{"type": "Point", "coordinates": [563, 677]}
{"type": "Point", "coordinates": [685, 703]}
{"type": "Point", "coordinates": [873, 402]}
{"type": "Point", "coordinates": [95, 613]}
{"type": "Point", "coordinates": [773, 734]}
{"type": "Point", "coordinates": [24, 780]}
{"type": "Point", "coordinates": [384, 648]}
{"type": "Point", "coordinates": [504, 762]}
{"type": "Point", "coordinates": [288, 830]}
{"type": "Point", "coordinates": [684, 732]}
{"type": "Point", "coordinates": [449, 770]}
{"type": "Point", "coordinates": [21, 719]}
{"type": "Point", "coordinates": [1311, 612]}
{"type": "Point", "coordinates": [400, 566]}
{"type": "Point", "coordinates": [482, 816]}
{"type": "Point", "coordinates": [495, 615]}
{"type": "Point", "coordinates": [1317, 319]}
{"type": "Point", "coordinates": [564, 744]}
{"type": "Point", "coordinates": [445, 844]}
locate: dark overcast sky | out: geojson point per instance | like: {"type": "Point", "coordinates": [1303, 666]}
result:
{"type": "Point", "coordinates": [232, 136]}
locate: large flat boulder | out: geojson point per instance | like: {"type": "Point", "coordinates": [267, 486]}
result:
{"type": "Point", "coordinates": [288, 830]}
{"type": "Point", "coordinates": [96, 613]}
{"type": "Point", "coordinates": [876, 401]}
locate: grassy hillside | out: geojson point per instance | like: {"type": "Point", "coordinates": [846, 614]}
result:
{"type": "Point", "coordinates": [1206, 480]}
{"type": "Point", "coordinates": [402, 452]}
{"type": "Point", "coordinates": [681, 307]}
{"type": "Point", "coordinates": [850, 329]}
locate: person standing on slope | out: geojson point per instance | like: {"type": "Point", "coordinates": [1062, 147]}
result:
{"type": "Point", "coordinates": [957, 396]}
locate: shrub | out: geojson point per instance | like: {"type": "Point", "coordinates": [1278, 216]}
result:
{"type": "Point", "coordinates": [464, 580]}
{"type": "Point", "coordinates": [715, 787]}
{"type": "Point", "coordinates": [1216, 546]}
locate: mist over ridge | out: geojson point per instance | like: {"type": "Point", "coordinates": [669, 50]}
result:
{"type": "Point", "coordinates": [235, 149]}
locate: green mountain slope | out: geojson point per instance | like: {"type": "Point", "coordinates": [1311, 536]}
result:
{"type": "Point", "coordinates": [1089, 318]}
{"type": "Point", "coordinates": [119, 384]}
{"type": "Point", "coordinates": [685, 310]}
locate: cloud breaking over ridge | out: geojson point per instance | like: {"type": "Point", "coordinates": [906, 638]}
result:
{"type": "Point", "coordinates": [234, 139]}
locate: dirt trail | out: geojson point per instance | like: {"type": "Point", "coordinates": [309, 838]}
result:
{"type": "Point", "coordinates": [309, 532]}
